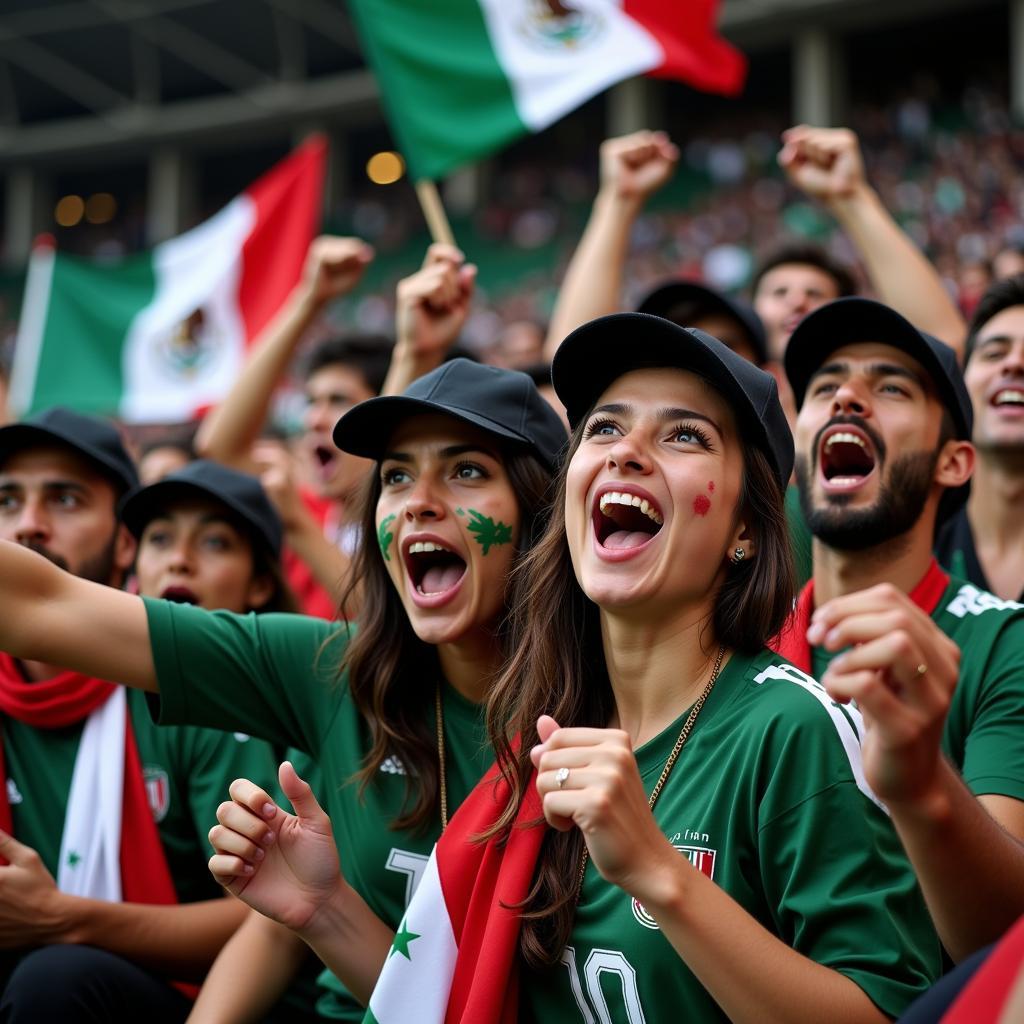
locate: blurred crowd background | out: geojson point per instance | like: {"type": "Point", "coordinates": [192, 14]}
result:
{"type": "Point", "coordinates": [929, 88]}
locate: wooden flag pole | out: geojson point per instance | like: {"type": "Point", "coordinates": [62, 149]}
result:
{"type": "Point", "coordinates": [433, 211]}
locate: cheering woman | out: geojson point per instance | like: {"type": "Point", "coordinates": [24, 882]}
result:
{"type": "Point", "coordinates": [465, 460]}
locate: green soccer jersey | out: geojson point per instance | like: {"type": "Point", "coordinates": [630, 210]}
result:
{"type": "Point", "coordinates": [984, 731]}
{"type": "Point", "coordinates": [275, 676]}
{"type": "Point", "coordinates": [768, 799]}
{"type": "Point", "coordinates": [187, 772]}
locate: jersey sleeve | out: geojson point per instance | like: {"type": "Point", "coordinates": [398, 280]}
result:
{"type": "Point", "coordinates": [842, 890]}
{"type": "Point", "coordinates": [993, 761]}
{"type": "Point", "coordinates": [271, 676]}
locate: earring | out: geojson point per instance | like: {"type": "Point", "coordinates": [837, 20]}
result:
{"type": "Point", "coordinates": [737, 556]}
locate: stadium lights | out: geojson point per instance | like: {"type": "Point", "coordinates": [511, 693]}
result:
{"type": "Point", "coordinates": [100, 208]}
{"type": "Point", "coordinates": [385, 168]}
{"type": "Point", "coordinates": [69, 211]}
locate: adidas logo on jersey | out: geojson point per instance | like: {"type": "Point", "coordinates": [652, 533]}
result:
{"type": "Point", "coordinates": [392, 766]}
{"type": "Point", "coordinates": [972, 601]}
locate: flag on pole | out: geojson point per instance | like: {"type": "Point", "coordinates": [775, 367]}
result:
{"type": "Point", "coordinates": [461, 78]}
{"type": "Point", "coordinates": [160, 335]}
{"type": "Point", "coordinates": [455, 954]}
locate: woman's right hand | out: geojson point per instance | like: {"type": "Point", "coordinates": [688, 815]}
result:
{"type": "Point", "coordinates": [285, 866]}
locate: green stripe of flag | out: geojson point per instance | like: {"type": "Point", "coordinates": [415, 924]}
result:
{"type": "Point", "coordinates": [448, 99]}
{"type": "Point", "coordinates": [89, 312]}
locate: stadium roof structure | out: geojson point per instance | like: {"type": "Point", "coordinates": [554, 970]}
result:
{"type": "Point", "coordinates": [93, 77]}
{"type": "Point", "coordinates": [80, 76]}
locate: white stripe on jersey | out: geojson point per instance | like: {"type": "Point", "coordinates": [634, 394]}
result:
{"type": "Point", "coordinates": [849, 734]}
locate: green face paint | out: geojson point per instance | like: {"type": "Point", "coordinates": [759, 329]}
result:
{"type": "Point", "coordinates": [385, 536]}
{"type": "Point", "coordinates": [487, 532]}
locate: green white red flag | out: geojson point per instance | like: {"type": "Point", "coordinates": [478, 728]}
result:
{"type": "Point", "coordinates": [461, 78]}
{"type": "Point", "coordinates": [455, 954]}
{"type": "Point", "coordinates": [159, 336]}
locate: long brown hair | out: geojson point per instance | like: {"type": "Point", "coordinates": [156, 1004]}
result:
{"type": "Point", "coordinates": [391, 672]}
{"type": "Point", "coordinates": [557, 668]}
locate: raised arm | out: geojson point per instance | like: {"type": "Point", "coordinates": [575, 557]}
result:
{"type": "Point", "coordinates": [48, 615]}
{"type": "Point", "coordinates": [826, 163]}
{"type": "Point", "coordinates": [295, 878]}
{"type": "Point", "coordinates": [633, 168]}
{"type": "Point", "coordinates": [334, 266]}
{"type": "Point", "coordinates": [430, 311]}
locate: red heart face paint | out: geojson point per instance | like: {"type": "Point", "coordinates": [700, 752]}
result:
{"type": "Point", "coordinates": [711, 487]}
{"type": "Point", "coordinates": [701, 505]}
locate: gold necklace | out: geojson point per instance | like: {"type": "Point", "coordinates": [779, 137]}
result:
{"type": "Point", "coordinates": [440, 756]}
{"type": "Point", "coordinates": [671, 760]}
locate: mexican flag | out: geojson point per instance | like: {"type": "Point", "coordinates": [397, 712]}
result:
{"type": "Point", "coordinates": [453, 960]}
{"type": "Point", "coordinates": [461, 78]}
{"type": "Point", "coordinates": [160, 335]}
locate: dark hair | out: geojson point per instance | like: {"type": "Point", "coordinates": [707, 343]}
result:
{"type": "Point", "coordinates": [367, 354]}
{"type": "Point", "coordinates": [391, 672]}
{"type": "Point", "coordinates": [813, 255]}
{"type": "Point", "coordinates": [999, 296]}
{"type": "Point", "coordinates": [558, 668]}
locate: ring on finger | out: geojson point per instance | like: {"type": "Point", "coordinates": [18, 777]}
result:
{"type": "Point", "coordinates": [561, 777]}
{"type": "Point", "coordinates": [922, 668]}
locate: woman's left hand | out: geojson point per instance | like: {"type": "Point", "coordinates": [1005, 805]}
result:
{"type": "Point", "coordinates": [603, 796]}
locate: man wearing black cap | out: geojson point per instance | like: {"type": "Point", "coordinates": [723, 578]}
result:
{"type": "Point", "coordinates": [984, 540]}
{"type": "Point", "coordinates": [936, 665]}
{"type": "Point", "coordinates": [103, 816]}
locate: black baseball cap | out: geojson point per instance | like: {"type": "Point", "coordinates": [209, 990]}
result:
{"type": "Point", "coordinates": [505, 403]}
{"type": "Point", "coordinates": [854, 319]}
{"type": "Point", "coordinates": [96, 439]}
{"type": "Point", "coordinates": [242, 493]}
{"type": "Point", "coordinates": [600, 351]}
{"type": "Point", "coordinates": [672, 294]}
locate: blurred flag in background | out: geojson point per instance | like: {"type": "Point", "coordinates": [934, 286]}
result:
{"type": "Point", "coordinates": [461, 78]}
{"type": "Point", "coordinates": [159, 336]}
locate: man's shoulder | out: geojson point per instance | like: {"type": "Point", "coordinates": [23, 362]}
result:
{"type": "Point", "coordinates": [967, 608]}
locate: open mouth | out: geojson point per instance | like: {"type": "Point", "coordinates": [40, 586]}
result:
{"type": "Point", "coordinates": [1013, 397]}
{"type": "Point", "coordinates": [846, 458]}
{"type": "Point", "coordinates": [433, 568]}
{"type": "Point", "coordinates": [180, 595]}
{"type": "Point", "coordinates": [324, 458]}
{"type": "Point", "coordinates": [624, 520]}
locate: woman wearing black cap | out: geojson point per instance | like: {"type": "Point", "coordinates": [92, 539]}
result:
{"type": "Point", "coordinates": [465, 461]}
{"type": "Point", "coordinates": [208, 536]}
{"type": "Point", "coordinates": [713, 843]}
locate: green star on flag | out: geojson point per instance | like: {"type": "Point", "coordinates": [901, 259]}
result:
{"type": "Point", "coordinates": [402, 939]}
{"type": "Point", "coordinates": [74, 859]}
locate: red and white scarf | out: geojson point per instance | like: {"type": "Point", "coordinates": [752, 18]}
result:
{"type": "Point", "coordinates": [792, 643]}
{"type": "Point", "coordinates": [108, 821]}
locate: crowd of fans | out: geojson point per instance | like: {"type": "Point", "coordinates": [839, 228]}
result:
{"type": "Point", "coordinates": [767, 526]}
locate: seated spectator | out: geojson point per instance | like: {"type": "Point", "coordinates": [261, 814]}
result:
{"type": "Point", "coordinates": [106, 897]}
{"type": "Point", "coordinates": [984, 540]}
{"type": "Point", "coordinates": [883, 453]}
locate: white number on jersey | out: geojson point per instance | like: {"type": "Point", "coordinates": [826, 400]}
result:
{"type": "Point", "coordinates": [603, 961]}
{"type": "Point", "coordinates": [412, 865]}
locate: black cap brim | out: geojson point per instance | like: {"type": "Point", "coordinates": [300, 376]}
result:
{"type": "Point", "coordinates": [147, 503]}
{"type": "Point", "coordinates": [663, 299]}
{"type": "Point", "coordinates": [857, 320]}
{"type": "Point", "coordinates": [599, 352]}
{"type": "Point", "coordinates": [366, 430]}
{"type": "Point", "coordinates": [17, 436]}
